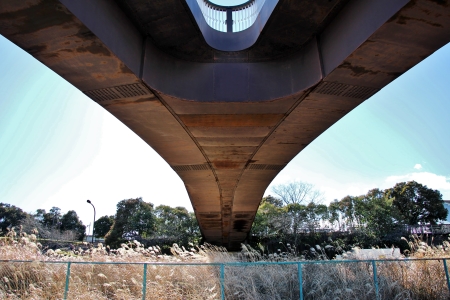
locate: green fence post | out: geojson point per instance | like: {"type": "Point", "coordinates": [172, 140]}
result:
{"type": "Point", "coordinates": [300, 279]}
{"type": "Point", "coordinates": [66, 289]}
{"type": "Point", "coordinates": [375, 279]}
{"type": "Point", "coordinates": [222, 281]}
{"type": "Point", "coordinates": [446, 274]}
{"type": "Point", "coordinates": [144, 282]}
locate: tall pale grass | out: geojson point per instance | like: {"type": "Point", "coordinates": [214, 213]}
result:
{"type": "Point", "coordinates": [43, 278]}
{"type": "Point", "coordinates": [404, 278]}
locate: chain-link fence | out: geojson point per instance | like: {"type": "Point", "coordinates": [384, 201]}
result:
{"type": "Point", "coordinates": [333, 279]}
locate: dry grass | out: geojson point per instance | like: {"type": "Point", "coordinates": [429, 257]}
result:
{"type": "Point", "coordinates": [404, 278]}
{"type": "Point", "coordinates": [117, 278]}
{"type": "Point", "coordinates": [401, 279]}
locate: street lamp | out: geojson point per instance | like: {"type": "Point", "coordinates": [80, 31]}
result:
{"type": "Point", "coordinates": [93, 224]}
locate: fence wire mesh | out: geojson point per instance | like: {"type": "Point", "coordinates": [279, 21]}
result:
{"type": "Point", "coordinates": [407, 278]}
{"type": "Point", "coordinates": [32, 280]}
{"type": "Point", "coordinates": [105, 281]}
{"type": "Point", "coordinates": [183, 282]}
{"type": "Point", "coordinates": [272, 281]}
{"type": "Point", "coordinates": [368, 279]}
{"type": "Point", "coordinates": [339, 281]}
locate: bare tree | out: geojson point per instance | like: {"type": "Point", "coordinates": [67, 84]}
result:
{"type": "Point", "coordinates": [298, 192]}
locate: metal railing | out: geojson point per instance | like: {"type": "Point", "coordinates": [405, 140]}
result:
{"type": "Point", "coordinates": [215, 16]}
{"type": "Point", "coordinates": [427, 229]}
{"type": "Point", "coordinates": [233, 18]}
{"type": "Point", "coordinates": [244, 16]}
{"type": "Point", "coordinates": [138, 280]}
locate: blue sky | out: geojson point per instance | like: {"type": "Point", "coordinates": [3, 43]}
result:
{"type": "Point", "coordinates": [228, 2]}
{"type": "Point", "coordinates": [59, 148]}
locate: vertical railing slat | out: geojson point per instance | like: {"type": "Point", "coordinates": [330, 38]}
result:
{"type": "Point", "coordinates": [300, 280]}
{"type": "Point", "coordinates": [446, 275]}
{"type": "Point", "coordinates": [229, 20]}
{"type": "Point", "coordinates": [375, 279]}
{"type": "Point", "coordinates": [144, 282]}
{"type": "Point", "coordinates": [66, 288]}
{"type": "Point", "coordinates": [222, 281]}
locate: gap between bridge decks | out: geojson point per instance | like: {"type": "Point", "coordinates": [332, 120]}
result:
{"type": "Point", "coordinates": [231, 41]}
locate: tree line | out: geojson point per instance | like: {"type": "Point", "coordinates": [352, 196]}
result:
{"type": "Point", "coordinates": [294, 212]}
{"type": "Point", "coordinates": [135, 219]}
{"type": "Point", "coordinates": [50, 225]}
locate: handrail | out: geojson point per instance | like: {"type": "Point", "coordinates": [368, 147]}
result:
{"type": "Point", "coordinates": [244, 16]}
{"type": "Point", "coordinates": [215, 16]}
{"type": "Point", "coordinates": [230, 18]}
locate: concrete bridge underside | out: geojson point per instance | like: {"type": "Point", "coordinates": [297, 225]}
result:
{"type": "Point", "coordinates": [227, 122]}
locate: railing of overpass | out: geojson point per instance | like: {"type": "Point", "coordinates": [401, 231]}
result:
{"type": "Point", "coordinates": [230, 18]}
{"type": "Point", "coordinates": [69, 280]}
{"type": "Point", "coordinates": [405, 229]}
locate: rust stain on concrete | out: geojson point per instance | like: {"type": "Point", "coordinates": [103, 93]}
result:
{"type": "Point", "coordinates": [227, 164]}
{"type": "Point", "coordinates": [357, 70]}
{"type": "Point", "coordinates": [35, 17]}
{"type": "Point", "coordinates": [36, 49]}
{"type": "Point", "coordinates": [94, 48]}
{"type": "Point", "coordinates": [404, 20]}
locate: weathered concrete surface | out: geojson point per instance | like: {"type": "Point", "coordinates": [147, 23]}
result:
{"type": "Point", "coordinates": [227, 122]}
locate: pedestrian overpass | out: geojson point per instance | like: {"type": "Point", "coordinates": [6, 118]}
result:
{"type": "Point", "coordinates": [227, 95]}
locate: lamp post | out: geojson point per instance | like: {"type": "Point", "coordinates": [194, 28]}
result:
{"type": "Point", "coordinates": [93, 224]}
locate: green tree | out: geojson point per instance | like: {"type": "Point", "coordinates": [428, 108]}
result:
{"type": "Point", "coordinates": [296, 220]}
{"type": "Point", "coordinates": [268, 219]}
{"type": "Point", "coordinates": [176, 225]}
{"type": "Point", "coordinates": [70, 221]}
{"type": "Point", "coordinates": [272, 200]}
{"type": "Point", "coordinates": [192, 228]}
{"type": "Point", "coordinates": [103, 225]}
{"type": "Point", "coordinates": [377, 214]}
{"type": "Point", "coordinates": [52, 219]}
{"type": "Point", "coordinates": [273, 220]}
{"type": "Point", "coordinates": [134, 220]}
{"type": "Point", "coordinates": [296, 196]}
{"type": "Point", "coordinates": [10, 215]}
{"type": "Point", "coordinates": [347, 207]}
{"type": "Point", "coordinates": [334, 213]}
{"type": "Point", "coordinates": [39, 215]}
{"type": "Point", "coordinates": [417, 203]}
{"type": "Point", "coordinates": [314, 213]}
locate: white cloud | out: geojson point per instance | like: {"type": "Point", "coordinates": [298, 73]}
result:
{"type": "Point", "coordinates": [418, 166]}
{"type": "Point", "coordinates": [431, 180]}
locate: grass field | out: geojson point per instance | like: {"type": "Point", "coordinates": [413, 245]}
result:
{"type": "Point", "coordinates": [44, 277]}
